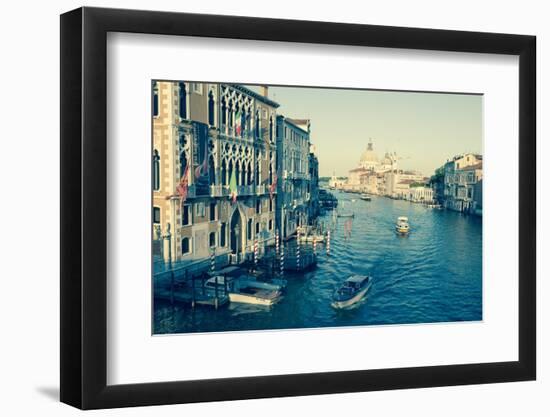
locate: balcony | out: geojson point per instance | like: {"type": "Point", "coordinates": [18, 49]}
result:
{"type": "Point", "coordinates": [219, 191]}
{"type": "Point", "coordinates": [293, 175]}
{"type": "Point", "coordinates": [231, 134]}
{"type": "Point", "coordinates": [245, 190]}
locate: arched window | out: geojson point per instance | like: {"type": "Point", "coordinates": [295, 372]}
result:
{"type": "Point", "coordinates": [257, 124]}
{"type": "Point", "coordinates": [230, 114]}
{"type": "Point", "coordinates": [222, 234]}
{"type": "Point", "coordinates": [212, 239]}
{"type": "Point", "coordinates": [243, 175]}
{"type": "Point", "coordinates": [155, 99]}
{"type": "Point", "coordinates": [229, 171]}
{"type": "Point", "coordinates": [243, 122]}
{"type": "Point", "coordinates": [237, 173]}
{"type": "Point", "coordinates": [211, 109]}
{"type": "Point", "coordinates": [156, 170]}
{"type": "Point", "coordinates": [211, 171]}
{"type": "Point", "coordinates": [257, 173]}
{"type": "Point", "coordinates": [183, 101]}
{"type": "Point", "coordinates": [248, 128]}
{"type": "Point", "coordinates": [249, 174]}
{"type": "Point", "coordinates": [224, 173]}
{"type": "Point", "coordinates": [249, 229]}
{"type": "Point", "coordinates": [185, 246]}
{"type": "Point", "coordinates": [224, 113]}
{"type": "Point", "coordinates": [271, 129]}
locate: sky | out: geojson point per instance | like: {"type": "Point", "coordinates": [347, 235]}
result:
{"type": "Point", "coordinates": [425, 129]}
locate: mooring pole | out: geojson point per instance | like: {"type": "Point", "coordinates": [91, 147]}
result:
{"type": "Point", "coordinates": [328, 242]}
{"type": "Point", "coordinates": [282, 259]}
{"type": "Point", "coordinates": [256, 252]}
{"type": "Point", "coordinates": [298, 252]}
{"type": "Point", "coordinates": [213, 260]}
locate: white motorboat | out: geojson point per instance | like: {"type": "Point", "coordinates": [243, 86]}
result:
{"type": "Point", "coordinates": [245, 289]}
{"type": "Point", "coordinates": [402, 225]}
{"type": "Point", "coordinates": [352, 290]}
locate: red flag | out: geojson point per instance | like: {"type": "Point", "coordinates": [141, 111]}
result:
{"type": "Point", "coordinates": [273, 186]}
{"type": "Point", "coordinates": [183, 186]}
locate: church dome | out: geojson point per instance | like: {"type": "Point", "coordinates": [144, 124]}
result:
{"type": "Point", "coordinates": [368, 158]}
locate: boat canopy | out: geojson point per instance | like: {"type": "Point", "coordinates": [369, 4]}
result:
{"type": "Point", "coordinates": [357, 279]}
{"type": "Point", "coordinates": [402, 219]}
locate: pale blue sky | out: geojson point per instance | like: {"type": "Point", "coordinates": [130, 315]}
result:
{"type": "Point", "coordinates": [424, 128]}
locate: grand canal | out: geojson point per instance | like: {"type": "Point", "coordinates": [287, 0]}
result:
{"type": "Point", "coordinates": [432, 275]}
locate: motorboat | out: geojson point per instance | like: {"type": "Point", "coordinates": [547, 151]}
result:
{"type": "Point", "coordinates": [245, 289]}
{"type": "Point", "coordinates": [402, 225]}
{"type": "Point", "coordinates": [352, 290]}
{"type": "Point", "coordinates": [365, 197]}
{"type": "Point", "coordinates": [312, 237]}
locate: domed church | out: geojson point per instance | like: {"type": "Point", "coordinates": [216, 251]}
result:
{"type": "Point", "coordinates": [368, 160]}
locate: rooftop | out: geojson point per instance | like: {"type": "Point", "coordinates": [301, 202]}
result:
{"type": "Point", "coordinates": [257, 96]}
{"type": "Point", "coordinates": [472, 167]}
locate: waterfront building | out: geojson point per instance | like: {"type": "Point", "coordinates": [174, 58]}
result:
{"type": "Point", "coordinates": [380, 176]}
{"type": "Point", "coordinates": [462, 181]}
{"type": "Point", "coordinates": [294, 177]}
{"type": "Point", "coordinates": [421, 193]}
{"type": "Point", "coordinates": [313, 184]}
{"type": "Point", "coordinates": [397, 182]}
{"type": "Point", "coordinates": [213, 168]}
{"type": "Point", "coordinates": [335, 182]}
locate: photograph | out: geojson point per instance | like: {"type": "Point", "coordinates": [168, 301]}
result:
{"type": "Point", "coordinates": [301, 207]}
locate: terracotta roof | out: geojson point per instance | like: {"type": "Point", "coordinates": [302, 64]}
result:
{"type": "Point", "coordinates": [298, 121]}
{"type": "Point", "coordinates": [471, 167]}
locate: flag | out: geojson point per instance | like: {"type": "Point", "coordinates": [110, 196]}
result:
{"type": "Point", "coordinates": [238, 123]}
{"type": "Point", "coordinates": [273, 186]}
{"type": "Point", "coordinates": [233, 187]}
{"type": "Point", "coordinates": [203, 167]}
{"type": "Point", "coordinates": [183, 185]}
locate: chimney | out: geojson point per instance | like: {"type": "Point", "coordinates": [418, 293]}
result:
{"type": "Point", "coordinates": [264, 90]}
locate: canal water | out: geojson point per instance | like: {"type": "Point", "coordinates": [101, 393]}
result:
{"type": "Point", "coordinates": [432, 275]}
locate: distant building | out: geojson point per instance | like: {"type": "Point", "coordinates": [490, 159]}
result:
{"type": "Point", "coordinates": [463, 183]}
{"type": "Point", "coordinates": [313, 184]}
{"type": "Point", "coordinates": [421, 194]}
{"type": "Point", "coordinates": [380, 176]}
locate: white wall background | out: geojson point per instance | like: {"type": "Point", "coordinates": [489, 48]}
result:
{"type": "Point", "coordinates": [29, 294]}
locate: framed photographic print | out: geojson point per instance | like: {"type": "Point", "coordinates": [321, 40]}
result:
{"type": "Point", "coordinates": [256, 208]}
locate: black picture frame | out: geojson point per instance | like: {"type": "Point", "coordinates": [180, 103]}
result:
{"type": "Point", "coordinates": [84, 207]}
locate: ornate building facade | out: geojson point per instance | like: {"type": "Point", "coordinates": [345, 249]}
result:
{"type": "Point", "coordinates": [215, 145]}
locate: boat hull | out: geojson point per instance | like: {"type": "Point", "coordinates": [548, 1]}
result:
{"type": "Point", "coordinates": [353, 300]}
{"type": "Point", "coordinates": [251, 299]}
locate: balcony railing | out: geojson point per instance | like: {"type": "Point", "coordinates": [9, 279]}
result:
{"type": "Point", "coordinates": [219, 191]}
{"type": "Point", "coordinates": [245, 190]}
